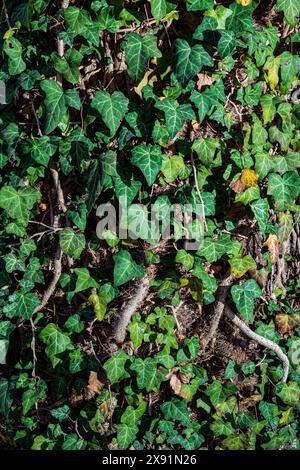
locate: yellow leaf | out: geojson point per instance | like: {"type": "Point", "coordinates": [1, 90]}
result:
{"type": "Point", "coordinates": [148, 79]}
{"type": "Point", "coordinates": [272, 69]}
{"type": "Point", "coordinates": [245, 3]}
{"type": "Point", "coordinates": [249, 178]}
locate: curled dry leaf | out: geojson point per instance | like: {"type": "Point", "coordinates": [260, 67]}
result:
{"type": "Point", "coordinates": [94, 386]}
{"type": "Point", "coordinates": [273, 246]}
{"type": "Point", "coordinates": [204, 80]}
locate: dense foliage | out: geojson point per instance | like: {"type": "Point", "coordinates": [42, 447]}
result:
{"type": "Point", "coordinates": [156, 102]}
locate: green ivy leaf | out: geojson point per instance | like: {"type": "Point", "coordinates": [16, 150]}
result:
{"type": "Point", "coordinates": [147, 375]}
{"type": "Point", "coordinates": [115, 367]}
{"type": "Point", "coordinates": [112, 108]}
{"type": "Point", "coordinates": [284, 188]}
{"type": "Point", "coordinates": [291, 10]}
{"type": "Point", "coordinates": [139, 50]}
{"type": "Point", "coordinates": [176, 115]}
{"type": "Point", "coordinates": [68, 65]}
{"type": "Point", "coordinates": [226, 44]}
{"type": "Point", "coordinates": [72, 244]}
{"type": "Point", "coordinates": [126, 268]}
{"type": "Point", "coordinates": [260, 210]}
{"type": "Point", "coordinates": [56, 342]}
{"type": "Point", "coordinates": [18, 203]}
{"type": "Point", "coordinates": [158, 9]}
{"type": "Point", "coordinates": [55, 104]}
{"type": "Point", "coordinates": [126, 433]}
{"type": "Point", "coordinates": [190, 60]}
{"type": "Point", "coordinates": [177, 410]}
{"type": "Point", "coordinates": [149, 160]}
{"type": "Point", "coordinates": [244, 295]}
{"type": "Point", "coordinates": [13, 49]}
{"type": "Point", "coordinates": [206, 150]}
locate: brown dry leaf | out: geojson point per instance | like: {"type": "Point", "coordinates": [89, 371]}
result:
{"type": "Point", "coordinates": [184, 378]}
{"type": "Point", "coordinates": [249, 178]}
{"type": "Point", "coordinates": [175, 384]}
{"type": "Point", "coordinates": [273, 246]}
{"type": "Point", "coordinates": [94, 386]}
{"type": "Point", "coordinates": [238, 186]}
{"type": "Point", "coordinates": [204, 80]}
{"type": "Point", "coordinates": [76, 398]}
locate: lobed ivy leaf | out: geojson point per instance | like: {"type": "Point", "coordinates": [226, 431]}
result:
{"type": "Point", "coordinates": [126, 268]}
{"type": "Point", "coordinates": [149, 159]}
{"type": "Point", "coordinates": [55, 104]}
{"type": "Point", "coordinates": [291, 10]}
{"type": "Point", "coordinates": [56, 342]}
{"type": "Point", "coordinates": [139, 50]}
{"type": "Point", "coordinates": [13, 49]}
{"type": "Point", "coordinates": [176, 114]}
{"type": "Point", "coordinates": [189, 60]}
{"type": "Point", "coordinates": [244, 295]}
{"type": "Point", "coordinates": [72, 243]}
{"type": "Point", "coordinates": [112, 108]}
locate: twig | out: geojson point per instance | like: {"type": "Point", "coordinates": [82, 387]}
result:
{"type": "Point", "coordinates": [6, 14]}
{"type": "Point", "coordinates": [198, 189]}
{"type": "Point", "coordinates": [219, 308]}
{"type": "Point", "coordinates": [52, 286]}
{"type": "Point", "coordinates": [130, 308]}
{"type": "Point", "coordinates": [37, 120]}
{"type": "Point", "coordinates": [59, 191]}
{"type": "Point", "coordinates": [267, 343]}
{"type": "Point", "coordinates": [61, 43]}
{"type": "Point", "coordinates": [33, 349]}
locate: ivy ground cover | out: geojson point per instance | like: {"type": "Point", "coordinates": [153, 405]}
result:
{"type": "Point", "coordinates": [121, 331]}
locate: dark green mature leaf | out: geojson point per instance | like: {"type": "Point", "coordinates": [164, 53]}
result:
{"type": "Point", "coordinates": [190, 60]}
{"type": "Point", "coordinates": [56, 342]}
{"type": "Point", "coordinates": [72, 244]}
{"type": "Point", "coordinates": [55, 104]}
{"type": "Point", "coordinates": [13, 49]}
{"type": "Point", "coordinates": [126, 268]}
{"type": "Point", "coordinates": [176, 114]}
{"type": "Point", "coordinates": [112, 108]}
{"type": "Point", "coordinates": [149, 159]}
{"type": "Point", "coordinates": [177, 410]}
{"type": "Point", "coordinates": [139, 50]}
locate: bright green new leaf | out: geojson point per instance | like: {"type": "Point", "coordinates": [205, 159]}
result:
{"type": "Point", "coordinates": [284, 188]}
{"type": "Point", "coordinates": [115, 367]}
{"type": "Point", "coordinates": [244, 295]}
{"type": "Point", "coordinates": [291, 10]}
